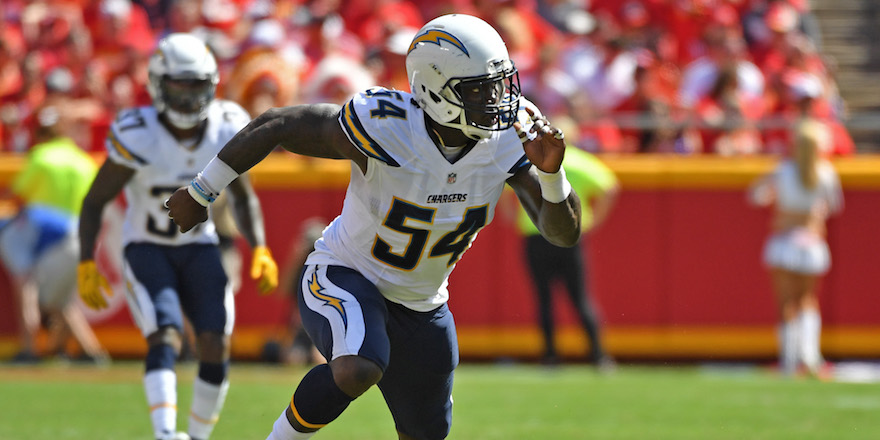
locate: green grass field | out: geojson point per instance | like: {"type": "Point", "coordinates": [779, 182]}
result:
{"type": "Point", "coordinates": [492, 402]}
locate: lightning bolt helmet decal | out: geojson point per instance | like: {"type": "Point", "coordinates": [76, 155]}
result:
{"type": "Point", "coordinates": [435, 36]}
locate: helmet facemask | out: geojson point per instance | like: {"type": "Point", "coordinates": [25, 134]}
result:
{"type": "Point", "coordinates": [487, 104]}
{"type": "Point", "coordinates": [186, 100]}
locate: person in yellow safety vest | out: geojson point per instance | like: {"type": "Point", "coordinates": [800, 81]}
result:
{"type": "Point", "coordinates": [597, 186]}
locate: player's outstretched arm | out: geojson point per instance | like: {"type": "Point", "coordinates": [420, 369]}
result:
{"type": "Point", "coordinates": [309, 130]}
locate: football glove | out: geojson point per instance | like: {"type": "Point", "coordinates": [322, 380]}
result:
{"type": "Point", "coordinates": [265, 270]}
{"type": "Point", "coordinates": [92, 285]}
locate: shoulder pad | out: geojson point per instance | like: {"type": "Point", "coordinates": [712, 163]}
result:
{"type": "Point", "coordinates": [231, 117]}
{"type": "Point", "coordinates": [129, 134]}
{"type": "Point", "coordinates": [359, 119]}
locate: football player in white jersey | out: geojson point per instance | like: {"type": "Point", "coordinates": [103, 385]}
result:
{"type": "Point", "coordinates": [427, 170]}
{"type": "Point", "coordinates": [151, 151]}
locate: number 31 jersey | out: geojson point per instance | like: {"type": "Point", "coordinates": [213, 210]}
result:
{"type": "Point", "coordinates": [163, 164]}
{"type": "Point", "coordinates": [410, 218]}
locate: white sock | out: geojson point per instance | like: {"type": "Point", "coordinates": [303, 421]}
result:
{"type": "Point", "coordinates": [788, 346]}
{"type": "Point", "coordinates": [207, 402]}
{"type": "Point", "coordinates": [282, 430]}
{"type": "Point", "coordinates": [811, 328]}
{"type": "Point", "coordinates": [161, 388]}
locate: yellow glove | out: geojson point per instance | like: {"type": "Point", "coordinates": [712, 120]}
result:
{"type": "Point", "coordinates": [264, 268]}
{"type": "Point", "coordinates": [92, 285]}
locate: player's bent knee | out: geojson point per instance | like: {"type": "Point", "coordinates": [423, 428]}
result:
{"type": "Point", "coordinates": [355, 375]}
{"type": "Point", "coordinates": [167, 335]}
{"type": "Point", "coordinates": [213, 347]}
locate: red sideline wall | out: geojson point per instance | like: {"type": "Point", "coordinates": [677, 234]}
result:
{"type": "Point", "coordinates": [675, 270]}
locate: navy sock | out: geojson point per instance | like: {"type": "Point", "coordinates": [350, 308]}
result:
{"type": "Point", "coordinates": [317, 400]}
{"type": "Point", "coordinates": [161, 356]}
{"type": "Point", "coordinates": [213, 373]}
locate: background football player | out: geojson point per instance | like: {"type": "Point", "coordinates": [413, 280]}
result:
{"type": "Point", "coordinates": [151, 151]}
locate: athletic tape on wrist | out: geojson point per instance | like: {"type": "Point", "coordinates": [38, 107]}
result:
{"type": "Point", "coordinates": [216, 176]}
{"type": "Point", "coordinates": [554, 186]}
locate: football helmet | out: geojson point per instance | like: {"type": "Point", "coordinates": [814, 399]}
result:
{"type": "Point", "coordinates": [183, 79]}
{"type": "Point", "coordinates": [461, 74]}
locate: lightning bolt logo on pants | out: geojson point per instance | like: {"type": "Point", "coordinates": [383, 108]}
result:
{"type": "Point", "coordinates": [317, 290]}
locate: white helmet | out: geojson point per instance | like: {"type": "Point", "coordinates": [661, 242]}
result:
{"type": "Point", "coordinates": [461, 74]}
{"type": "Point", "coordinates": [183, 78]}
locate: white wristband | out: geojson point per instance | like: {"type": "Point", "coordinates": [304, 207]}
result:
{"type": "Point", "coordinates": [554, 186]}
{"type": "Point", "coordinates": [215, 176]}
{"type": "Point", "coordinates": [197, 195]}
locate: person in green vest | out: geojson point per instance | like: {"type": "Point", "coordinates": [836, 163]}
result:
{"type": "Point", "coordinates": [39, 246]}
{"type": "Point", "coordinates": [597, 187]}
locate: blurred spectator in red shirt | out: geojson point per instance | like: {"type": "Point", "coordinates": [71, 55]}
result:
{"type": "Point", "coordinates": [763, 18]}
{"type": "Point", "coordinates": [609, 76]}
{"type": "Point", "coordinates": [646, 118]}
{"type": "Point", "coordinates": [46, 26]}
{"type": "Point", "coordinates": [12, 80]}
{"type": "Point", "coordinates": [383, 18]}
{"type": "Point", "coordinates": [724, 46]}
{"type": "Point", "coordinates": [262, 77]}
{"type": "Point", "coordinates": [336, 79]}
{"type": "Point", "coordinates": [388, 63]}
{"type": "Point", "coordinates": [727, 117]}
{"type": "Point", "coordinates": [78, 112]}
{"type": "Point", "coordinates": [20, 107]}
{"type": "Point", "coordinates": [183, 16]}
{"type": "Point", "coordinates": [803, 95]}
{"type": "Point", "coordinates": [687, 22]}
{"type": "Point", "coordinates": [432, 9]}
{"type": "Point", "coordinates": [117, 25]}
{"type": "Point", "coordinates": [157, 12]}
{"type": "Point", "coordinates": [530, 39]}
{"type": "Point", "coordinates": [568, 16]}
{"type": "Point", "coordinates": [319, 29]}
{"type": "Point", "coordinates": [774, 51]}
{"type": "Point", "coordinates": [122, 42]}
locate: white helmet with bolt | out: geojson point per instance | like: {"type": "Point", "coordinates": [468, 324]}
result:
{"type": "Point", "coordinates": [461, 74]}
{"type": "Point", "coordinates": [183, 77]}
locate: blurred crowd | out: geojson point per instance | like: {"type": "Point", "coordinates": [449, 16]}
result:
{"type": "Point", "coordinates": [725, 77]}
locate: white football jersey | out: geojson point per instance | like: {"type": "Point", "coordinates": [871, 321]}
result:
{"type": "Point", "coordinates": [410, 218]}
{"type": "Point", "coordinates": [162, 164]}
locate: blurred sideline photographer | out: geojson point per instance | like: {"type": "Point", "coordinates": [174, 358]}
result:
{"type": "Point", "coordinates": [39, 246]}
{"type": "Point", "coordinates": [597, 187]}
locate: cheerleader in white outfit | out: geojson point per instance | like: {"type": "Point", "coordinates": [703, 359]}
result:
{"type": "Point", "coordinates": [804, 191]}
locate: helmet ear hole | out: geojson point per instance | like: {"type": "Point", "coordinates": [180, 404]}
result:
{"type": "Point", "coordinates": [435, 98]}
